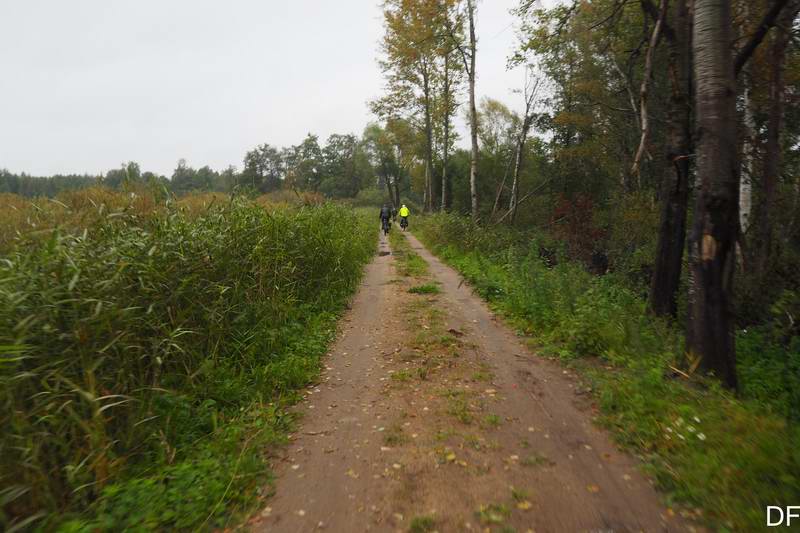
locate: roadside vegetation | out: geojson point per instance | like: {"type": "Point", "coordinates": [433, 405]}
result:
{"type": "Point", "coordinates": [148, 349]}
{"type": "Point", "coordinates": [724, 457]}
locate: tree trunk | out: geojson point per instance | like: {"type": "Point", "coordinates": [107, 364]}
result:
{"type": "Point", "coordinates": [643, 93]}
{"type": "Point", "coordinates": [714, 232]}
{"type": "Point", "coordinates": [473, 113]}
{"type": "Point", "coordinates": [772, 155]}
{"type": "Point", "coordinates": [500, 188]}
{"type": "Point", "coordinates": [389, 190]}
{"type": "Point", "coordinates": [523, 135]}
{"type": "Point", "coordinates": [675, 187]}
{"type": "Point", "coordinates": [397, 191]}
{"type": "Point", "coordinates": [445, 149]}
{"type": "Point", "coordinates": [748, 153]}
{"type": "Point", "coordinates": [428, 142]}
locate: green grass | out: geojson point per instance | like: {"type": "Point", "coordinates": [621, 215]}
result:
{"type": "Point", "coordinates": [394, 435]}
{"type": "Point", "coordinates": [493, 513]}
{"type": "Point", "coordinates": [146, 362]}
{"type": "Point", "coordinates": [427, 288]}
{"type": "Point", "coordinates": [422, 524]}
{"type": "Point", "coordinates": [535, 460]}
{"type": "Point", "coordinates": [409, 263]}
{"type": "Point", "coordinates": [458, 405]}
{"type": "Point", "coordinates": [492, 421]}
{"type": "Point", "coordinates": [401, 375]}
{"type": "Point", "coordinates": [731, 456]}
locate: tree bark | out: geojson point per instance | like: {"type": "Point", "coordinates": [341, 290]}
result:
{"type": "Point", "coordinates": [446, 147]}
{"type": "Point", "coordinates": [428, 196]}
{"type": "Point", "coordinates": [527, 121]}
{"type": "Point", "coordinates": [643, 92]}
{"type": "Point", "coordinates": [473, 113]}
{"type": "Point", "coordinates": [748, 156]}
{"type": "Point", "coordinates": [389, 190]}
{"type": "Point", "coordinates": [772, 153]}
{"type": "Point", "coordinates": [675, 186]}
{"type": "Point", "coordinates": [523, 135]}
{"type": "Point", "coordinates": [714, 232]}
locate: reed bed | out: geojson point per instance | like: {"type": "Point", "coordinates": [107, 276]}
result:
{"type": "Point", "coordinates": [135, 328]}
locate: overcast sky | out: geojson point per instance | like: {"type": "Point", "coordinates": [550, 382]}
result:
{"type": "Point", "coordinates": [88, 84]}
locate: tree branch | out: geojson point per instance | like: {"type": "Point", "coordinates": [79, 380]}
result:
{"type": "Point", "coordinates": [651, 9]}
{"type": "Point", "coordinates": [766, 23]}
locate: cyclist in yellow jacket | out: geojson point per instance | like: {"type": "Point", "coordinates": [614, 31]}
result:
{"type": "Point", "coordinates": [404, 212]}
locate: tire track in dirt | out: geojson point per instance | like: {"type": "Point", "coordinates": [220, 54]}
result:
{"type": "Point", "coordinates": [432, 416]}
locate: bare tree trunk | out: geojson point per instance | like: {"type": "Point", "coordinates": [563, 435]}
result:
{"type": "Point", "coordinates": [389, 191]}
{"type": "Point", "coordinates": [512, 204]}
{"type": "Point", "coordinates": [500, 189]}
{"type": "Point", "coordinates": [675, 187]}
{"type": "Point", "coordinates": [748, 152]}
{"type": "Point", "coordinates": [446, 147]}
{"type": "Point", "coordinates": [714, 232]}
{"type": "Point", "coordinates": [473, 113]}
{"type": "Point", "coordinates": [530, 96]}
{"type": "Point", "coordinates": [772, 155]}
{"type": "Point", "coordinates": [428, 195]}
{"type": "Point", "coordinates": [643, 92]}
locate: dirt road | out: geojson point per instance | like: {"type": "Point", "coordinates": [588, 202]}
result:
{"type": "Point", "coordinates": [431, 415]}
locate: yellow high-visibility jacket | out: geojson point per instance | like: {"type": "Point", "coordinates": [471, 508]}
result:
{"type": "Point", "coordinates": [404, 212]}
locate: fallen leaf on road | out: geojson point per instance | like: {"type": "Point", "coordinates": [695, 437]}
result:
{"type": "Point", "coordinates": [594, 489]}
{"type": "Point", "coordinates": [352, 474]}
{"type": "Point", "coordinates": [524, 505]}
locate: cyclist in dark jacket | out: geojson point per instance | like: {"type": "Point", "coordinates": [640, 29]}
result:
{"type": "Point", "coordinates": [386, 215]}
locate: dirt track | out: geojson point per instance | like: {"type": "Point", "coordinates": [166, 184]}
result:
{"type": "Point", "coordinates": [431, 415]}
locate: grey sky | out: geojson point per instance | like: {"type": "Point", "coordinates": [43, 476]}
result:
{"type": "Point", "coordinates": [88, 84]}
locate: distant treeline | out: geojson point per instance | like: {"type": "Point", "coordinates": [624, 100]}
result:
{"type": "Point", "coordinates": [340, 168]}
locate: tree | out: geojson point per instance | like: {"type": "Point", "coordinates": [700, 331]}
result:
{"type": "Point", "coordinates": [468, 56]}
{"type": "Point", "coordinates": [410, 48]}
{"type": "Point", "coordinates": [531, 88]}
{"type": "Point", "coordinates": [675, 185]}
{"type": "Point", "coordinates": [304, 164]}
{"type": "Point", "coordinates": [264, 169]}
{"type": "Point", "coordinates": [183, 178]}
{"type": "Point", "coordinates": [714, 232]}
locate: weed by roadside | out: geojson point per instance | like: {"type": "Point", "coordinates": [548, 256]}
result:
{"type": "Point", "coordinates": [427, 288]}
{"type": "Point", "coordinates": [422, 524]}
